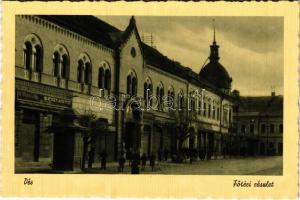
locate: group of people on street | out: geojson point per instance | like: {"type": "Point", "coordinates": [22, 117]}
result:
{"type": "Point", "coordinates": [135, 160]}
{"type": "Point", "coordinates": [163, 154]}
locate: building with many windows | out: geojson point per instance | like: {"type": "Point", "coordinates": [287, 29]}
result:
{"type": "Point", "coordinates": [258, 125]}
{"type": "Point", "coordinates": [132, 97]}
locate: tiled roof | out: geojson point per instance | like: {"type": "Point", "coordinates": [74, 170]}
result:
{"type": "Point", "coordinates": [261, 104]}
{"type": "Point", "coordinates": [87, 26]}
{"type": "Point", "coordinates": [108, 35]}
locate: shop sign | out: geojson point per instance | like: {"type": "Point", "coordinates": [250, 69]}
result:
{"type": "Point", "coordinates": [24, 95]}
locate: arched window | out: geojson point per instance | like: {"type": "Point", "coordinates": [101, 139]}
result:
{"type": "Point", "coordinates": [180, 100]}
{"type": "Point", "coordinates": [159, 95]}
{"type": "Point", "coordinates": [107, 79]}
{"type": "Point", "coordinates": [209, 110]}
{"type": "Point", "coordinates": [61, 62]}
{"type": "Point", "coordinates": [87, 74]}
{"type": "Point", "coordinates": [84, 69]}
{"type": "Point", "coordinates": [129, 84]}
{"type": "Point", "coordinates": [213, 111]}
{"type": "Point", "coordinates": [33, 53]}
{"type": "Point", "coordinates": [104, 76]}
{"type": "Point", "coordinates": [148, 92]}
{"type": "Point", "coordinates": [38, 59]}
{"type": "Point", "coordinates": [27, 55]}
{"type": "Point", "coordinates": [65, 65]}
{"type": "Point", "coordinates": [132, 84]}
{"type": "Point", "coordinates": [56, 62]}
{"type": "Point", "coordinates": [101, 78]}
{"type": "Point", "coordinates": [80, 71]}
{"type": "Point", "coordinates": [171, 97]}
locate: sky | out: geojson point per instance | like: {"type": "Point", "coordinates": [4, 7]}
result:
{"type": "Point", "coordinates": [251, 48]}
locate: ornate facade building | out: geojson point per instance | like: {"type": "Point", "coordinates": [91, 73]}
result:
{"type": "Point", "coordinates": [132, 97]}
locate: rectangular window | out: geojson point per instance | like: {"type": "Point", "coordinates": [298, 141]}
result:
{"type": "Point", "coordinates": [209, 110]}
{"type": "Point", "coordinates": [199, 107]}
{"type": "Point", "coordinates": [272, 128]}
{"type": "Point", "coordinates": [251, 128]}
{"type": "Point", "coordinates": [218, 113]}
{"type": "Point", "coordinates": [243, 128]}
{"type": "Point", "coordinates": [213, 112]}
{"type": "Point", "coordinates": [204, 109]}
{"type": "Point", "coordinates": [280, 128]}
{"type": "Point", "coordinates": [263, 128]}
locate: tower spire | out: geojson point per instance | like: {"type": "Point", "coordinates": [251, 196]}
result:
{"type": "Point", "coordinates": [214, 31]}
{"type": "Point", "coordinates": [214, 48]}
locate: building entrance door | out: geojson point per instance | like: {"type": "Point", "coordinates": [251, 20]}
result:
{"type": "Point", "coordinates": [31, 138]}
{"type": "Point", "coordinates": [63, 152]}
{"type": "Point", "coordinates": [132, 137]}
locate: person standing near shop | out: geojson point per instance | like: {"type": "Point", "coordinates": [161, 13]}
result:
{"type": "Point", "coordinates": [122, 161]}
{"type": "Point", "coordinates": [144, 161]}
{"type": "Point", "coordinates": [152, 161]}
{"type": "Point", "coordinates": [103, 156]}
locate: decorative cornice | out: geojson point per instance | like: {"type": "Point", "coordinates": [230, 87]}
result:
{"type": "Point", "coordinates": [58, 29]}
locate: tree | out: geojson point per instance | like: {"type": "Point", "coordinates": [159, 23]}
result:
{"type": "Point", "coordinates": [184, 119]}
{"type": "Point", "coordinates": [94, 126]}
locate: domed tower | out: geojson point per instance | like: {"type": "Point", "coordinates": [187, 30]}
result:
{"type": "Point", "coordinates": [214, 72]}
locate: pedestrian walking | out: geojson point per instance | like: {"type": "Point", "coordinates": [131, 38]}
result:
{"type": "Point", "coordinates": [103, 156]}
{"type": "Point", "coordinates": [135, 163]}
{"type": "Point", "coordinates": [191, 155]}
{"type": "Point", "coordinates": [122, 161]}
{"type": "Point", "coordinates": [159, 154]}
{"type": "Point", "coordinates": [152, 161]}
{"type": "Point", "coordinates": [144, 161]}
{"type": "Point", "coordinates": [129, 156]}
{"type": "Point", "coordinates": [91, 158]}
{"type": "Point", "coordinates": [166, 154]}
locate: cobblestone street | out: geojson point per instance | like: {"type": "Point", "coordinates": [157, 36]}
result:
{"type": "Point", "coordinates": [234, 166]}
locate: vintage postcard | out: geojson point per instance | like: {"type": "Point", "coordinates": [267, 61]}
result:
{"type": "Point", "coordinates": [170, 99]}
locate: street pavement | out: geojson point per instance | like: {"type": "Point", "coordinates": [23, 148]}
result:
{"type": "Point", "coordinates": [233, 166]}
{"type": "Point", "coordinates": [271, 165]}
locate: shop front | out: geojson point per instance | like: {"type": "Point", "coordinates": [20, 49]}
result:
{"type": "Point", "coordinates": [37, 107]}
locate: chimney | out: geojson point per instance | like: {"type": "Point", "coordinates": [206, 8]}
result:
{"type": "Point", "coordinates": [273, 93]}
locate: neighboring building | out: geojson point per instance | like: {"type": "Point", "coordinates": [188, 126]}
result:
{"type": "Point", "coordinates": [258, 125]}
{"type": "Point", "coordinates": [64, 62]}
